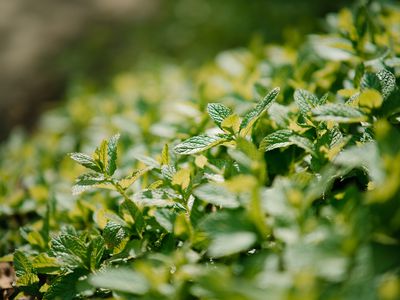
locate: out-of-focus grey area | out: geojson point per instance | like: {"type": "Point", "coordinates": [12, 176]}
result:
{"type": "Point", "coordinates": [46, 44]}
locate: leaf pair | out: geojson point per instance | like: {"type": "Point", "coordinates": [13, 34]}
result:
{"type": "Point", "coordinates": [104, 159]}
{"type": "Point", "coordinates": [230, 123]}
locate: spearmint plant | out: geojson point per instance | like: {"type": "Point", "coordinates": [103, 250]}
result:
{"type": "Point", "coordinates": [277, 178]}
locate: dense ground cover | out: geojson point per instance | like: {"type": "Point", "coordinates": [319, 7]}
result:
{"type": "Point", "coordinates": [270, 172]}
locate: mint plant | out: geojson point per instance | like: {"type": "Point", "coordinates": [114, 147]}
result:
{"type": "Point", "coordinates": [240, 190]}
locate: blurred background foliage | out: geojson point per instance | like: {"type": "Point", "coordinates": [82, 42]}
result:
{"type": "Point", "coordinates": [46, 45]}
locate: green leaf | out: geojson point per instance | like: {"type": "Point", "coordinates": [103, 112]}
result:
{"type": "Point", "coordinates": [28, 280]}
{"type": "Point", "coordinates": [95, 252]}
{"type": "Point", "coordinates": [224, 244]}
{"type": "Point", "coordinates": [252, 116]}
{"type": "Point", "coordinates": [217, 195]}
{"type": "Point", "coordinates": [166, 218]}
{"type": "Point", "coordinates": [305, 100]}
{"type": "Point", "coordinates": [26, 275]}
{"type": "Point", "coordinates": [132, 214]}
{"type": "Point", "coordinates": [87, 181]}
{"type": "Point", "coordinates": [115, 236]}
{"type": "Point", "coordinates": [277, 139]}
{"type": "Point", "coordinates": [112, 154]}
{"type": "Point", "coordinates": [218, 112]}
{"type": "Point", "coordinates": [121, 280]}
{"type": "Point", "coordinates": [101, 156]}
{"type": "Point", "coordinates": [44, 264]}
{"type": "Point", "coordinates": [370, 81]}
{"type": "Point", "coordinates": [387, 81]}
{"type": "Point", "coordinates": [22, 264]}
{"type": "Point", "coordinates": [199, 143]}
{"type": "Point", "coordinates": [370, 99]}
{"type": "Point", "coordinates": [285, 138]}
{"type": "Point", "coordinates": [128, 181]}
{"type": "Point", "coordinates": [86, 161]}
{"type": "Point", "coordinates": [71, 250]}
{"type": "Point", "coordinates": [340, 113]}
{"type": "Point", "coordinates": [64, 286]}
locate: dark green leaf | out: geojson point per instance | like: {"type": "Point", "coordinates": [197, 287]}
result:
{"type": "Point", "coordinates": [112, 154]}
{"type": "Point", "coordinates": [251, 117]}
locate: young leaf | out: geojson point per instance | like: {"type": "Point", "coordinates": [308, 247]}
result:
{"type": "Point", "coordinates": [370, 99]}
{"type": "Point", "coordinates": [100, 155]}
{"type": "Point", "coordinates": [340, 113]}
{"type": "Point", "coordinates": [252, 116]}
{"type": "Point", "coordinates": [199, 143]}
{"type": "Point", "coordinates": [128, 181]}
{"type": "Point", "coordinates": [86, 161]}
{"type": "Point", "coordinates": [112, 154]}
{"type": "Point", "coordinates": [231, 124]}
{"type": "Point", "coordinates": [182, 178]}
{"type": "Point", "coordinates": [305, 100]}
{"type": "Point", "coordinates": [218, 112]}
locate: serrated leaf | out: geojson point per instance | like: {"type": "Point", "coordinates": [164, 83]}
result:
{"type": "Point", "coordinates": [168, 172]}
{"type": "Point", "coordinates": [340, 113]}
{"type": "Point", "coordinates": [284, 138]}
{"type": "Point", "coordinates": [252, 116]}
{"type": "Point", "coordinates": [22, 264]}
{"type": "Point", "coordinates": [85, 160]}
{"type": "Point", "coordinates": [218, 112]}
{"type": "Point", "coordinates": [70, 250]}
{"type": "Point", "coordinates": [277, 139]}
{"type": "Point", "coordinates": [217, 195]}
{"type": "Point", "coordinates": [115, 236]}
{"type": "Point", "coordinates": [112, 154]}
{"type": "Point", "coordinates": [64, 287]}
{"type": "Point", "coordinates": [305, 100]}
{"type": "Point", "coordinates": [87, 181]}
{"type": "Point", "coordinates": [388, 82]}
{"type": "Point", "coordinates": [199, 143]}
{"type": "Point", "coordinates": [121, 280]}
{"type": "Point", "coordinates": [303, 143]}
